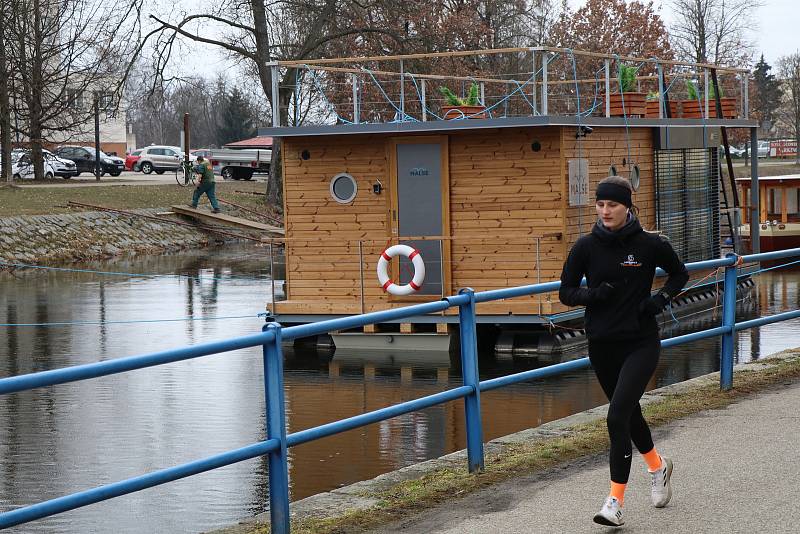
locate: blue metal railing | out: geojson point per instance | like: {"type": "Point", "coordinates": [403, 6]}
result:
{"type": "Point", "coordinates": [277, 441]}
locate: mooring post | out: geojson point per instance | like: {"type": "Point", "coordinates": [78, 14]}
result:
{"type": "Point", "coordinates": [276, 429]}
{"type": "Point", "coordinates": [469, 373]}
{"type": "Point", "coordinates": [728, 321]}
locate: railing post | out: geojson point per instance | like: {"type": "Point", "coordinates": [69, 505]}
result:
{"type": "Point", "coordinates": [355, 99]}
{"type": "Point", "coordinates": [276, 429]}
{"type": "Point", "coordinates": [545, 61]}
{"type": "Point", "coordinates": [747, 95]}
{"type": "Point", "coordinates": [533, 81]}
{"type": "Point", "coordinates": [728, 321]}
{"type": "Point", "coordinates": [705, 87]}
{"type": "Point", "coordinates": [662, 104]}
{"type": "Point", "coordinates": [276, 112]}
{"type": "Point", "coordinates": [424, 101]}
{"type": "Point", "coordinates": [607, 69]}
{"type": "Point", "coordinates": [402, 92]}
{"type": "Point", "coordinates": [469, 373]}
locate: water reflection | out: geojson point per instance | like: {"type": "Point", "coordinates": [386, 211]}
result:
{"type": "Point", "coordinates": [71, 437]}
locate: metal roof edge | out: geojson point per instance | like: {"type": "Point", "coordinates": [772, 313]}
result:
{"type": "Point", "coordinates": [401, 128]}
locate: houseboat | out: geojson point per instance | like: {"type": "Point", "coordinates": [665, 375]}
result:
{"type": "Point", "coordinates": [492, 199]}
{"type": "Point", "coordinates": [779, 211]}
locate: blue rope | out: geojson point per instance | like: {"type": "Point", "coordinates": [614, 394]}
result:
{"type": "Point", "coordinates": [90, 323]}
{"type": "Point", "coordinates": [322, 92]}
{"type": "Point", "coordinates": [117, 273]}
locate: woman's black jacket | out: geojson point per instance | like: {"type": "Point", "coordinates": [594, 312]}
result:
{"type": "Point", "coordinates": [625, 259]}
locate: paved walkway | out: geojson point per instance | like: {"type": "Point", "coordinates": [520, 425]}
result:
{"type": "Point", "coordinates": [736, 470]}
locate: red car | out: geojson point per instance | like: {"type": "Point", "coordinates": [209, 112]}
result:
{"type": "Point", "coordinates": [131, 159]}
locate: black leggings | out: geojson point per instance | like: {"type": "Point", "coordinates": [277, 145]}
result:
{"type": "Point", "coordinates": [623, 369]}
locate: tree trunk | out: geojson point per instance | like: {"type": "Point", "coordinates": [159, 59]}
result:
{"type": "Point", "coordinates": [5, 106]}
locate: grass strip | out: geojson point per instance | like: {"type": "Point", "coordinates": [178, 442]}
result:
{"type": "Point", "coordinates": [19, 201]}
{"type": "Point", "coordinates": [436, 487]}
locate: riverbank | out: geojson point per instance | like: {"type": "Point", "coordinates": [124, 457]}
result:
{"type": "Point", "coordinates": [403, 494]}
{"type": "Point", "coordinates": [91, 235]}
{"type": "Point", "coordinates": [38, 224]}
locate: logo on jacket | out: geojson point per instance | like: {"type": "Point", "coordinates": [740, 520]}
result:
{"type": "Point", "coordinates": [631, 262]}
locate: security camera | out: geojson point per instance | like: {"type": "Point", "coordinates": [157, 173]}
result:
{"type": "Point", "coordinates": [583, 131]}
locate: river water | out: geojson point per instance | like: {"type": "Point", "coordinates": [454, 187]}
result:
{"type": "Point", "coordinates": [72, 437]}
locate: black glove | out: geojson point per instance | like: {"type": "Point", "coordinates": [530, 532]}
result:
{"type": "Point", "coordinates": [652, 306]}
{"type": "Point", "coordinates": [603, 292]}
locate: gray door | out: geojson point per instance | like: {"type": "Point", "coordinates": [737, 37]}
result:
{"type": "Point", "coordinates": [419, 209]}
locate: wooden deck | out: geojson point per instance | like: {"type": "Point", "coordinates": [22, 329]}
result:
{"type": "Point", "coordinates": [220, 218]}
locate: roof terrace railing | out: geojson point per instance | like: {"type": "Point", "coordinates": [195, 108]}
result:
{"type": "Point", "coordinates": [277, 441]}
{"type": "Point", "coordinates": [542, 81]}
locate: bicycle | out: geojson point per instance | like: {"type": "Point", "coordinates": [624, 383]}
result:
{"type": "Point", "coordinates": [184, 174]}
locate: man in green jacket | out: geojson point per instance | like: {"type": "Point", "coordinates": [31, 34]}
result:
{"type": "Point", "coordinates": [206, 185]}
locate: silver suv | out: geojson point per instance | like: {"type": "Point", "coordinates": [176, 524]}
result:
{"type": "Point", "coordinates": [159, 158]}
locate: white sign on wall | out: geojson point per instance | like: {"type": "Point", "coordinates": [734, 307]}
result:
{"type": "Point", "coordinates": [578, 182]}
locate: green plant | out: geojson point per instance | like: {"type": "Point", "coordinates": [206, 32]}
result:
{"type": "Point", "coordinates": [652, 96]}
{"type": "Point", "coordinates": [627, 78]}
{"type": "Point", "coordinates": [712, 94]}
{"type": "Point", "coordinates": [691, 90]}
{"type": "Point", "coordinates": [470, 100]}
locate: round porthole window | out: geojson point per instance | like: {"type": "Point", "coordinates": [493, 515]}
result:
{"type": "Point", "coordinates": [635, 177]}
{"type": "Point", "coordinates": [343, 188]}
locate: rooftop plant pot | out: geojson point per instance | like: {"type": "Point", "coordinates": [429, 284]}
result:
{"type": "Point", "coordinates": [464, 112]}
{"type": "Point", "coordinates": [728, 107]}
{"type": "Point", "coordinates": [635, 104]}
{"type": "Point", "coordinates": [651, 112]}
{"type": "Point", "coordinates": [691, 109]}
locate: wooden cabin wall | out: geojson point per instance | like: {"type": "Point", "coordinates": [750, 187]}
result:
{"type": "Point", "coordinates": [605, 147]}
{"type": "Point", "coordinates": [322, 247]}
{"type": "Point", "coordinates": [503, 194]}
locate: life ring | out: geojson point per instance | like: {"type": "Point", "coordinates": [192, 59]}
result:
{"type": "Point", "coordinates": [383, 270]}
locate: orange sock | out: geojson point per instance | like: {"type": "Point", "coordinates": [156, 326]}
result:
{"type": "Point", "coordinates": [653, 460]}
{"type": "Point", "coordinates": [618, 492]}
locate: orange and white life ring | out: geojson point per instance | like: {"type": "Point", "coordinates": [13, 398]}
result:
{"type": "Point", "coordinates": [383, 270]}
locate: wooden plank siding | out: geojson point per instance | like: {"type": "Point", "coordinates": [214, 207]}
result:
{"type": "Point", "coordinates": [508, 208]}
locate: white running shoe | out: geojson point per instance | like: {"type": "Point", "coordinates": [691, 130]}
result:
{"type": "Point", "coordinates": [661, 489]}
{"type": "Point", "coordinates": [610, 514]}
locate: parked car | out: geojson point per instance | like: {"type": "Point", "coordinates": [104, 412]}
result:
{"type": "Point", "coordinates": [22, 167]}
{"type": "Point", "coordinates": [65, 168]}
{"type": "Point", "coordinates": [736, 152]}
{"type": "Point", "coordinates": [763, 149]}
{"type": "Point", "coordinates": [131, 159]}
{"type": "Point", "coordinates": [160, 158]}
{"type": "Point", "coordinates": [84, 158]}
{"type": "Point", "coordinates": [240, 164]}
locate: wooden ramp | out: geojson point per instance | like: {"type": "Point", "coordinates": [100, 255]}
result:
{"type": "Point", "coordinates": [206, 216]}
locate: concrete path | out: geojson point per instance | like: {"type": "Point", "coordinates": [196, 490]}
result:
{"type": "Point", "coordinates": [736, 470]}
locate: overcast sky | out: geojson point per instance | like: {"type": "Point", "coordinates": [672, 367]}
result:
{"type": "Point", "coordinates": [776, 20]}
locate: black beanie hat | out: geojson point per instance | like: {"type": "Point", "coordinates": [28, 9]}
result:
{"type": "Point", "coordinates": [615, 192]}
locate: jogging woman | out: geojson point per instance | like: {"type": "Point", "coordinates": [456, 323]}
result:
{"type": "Point", "coordinates": [619, 260]}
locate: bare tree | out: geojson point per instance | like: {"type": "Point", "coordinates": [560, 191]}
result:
{"type": "Point", "coordinates": [62, 55]}
{"type": "Point", "coordinates": [789, 111]}
{"type": "Point", "coordinates": [256, 33]}
{"type": "Point", "coordinates": [6, 13]}
{"type": "Point", "coordinates": [714, 31]}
